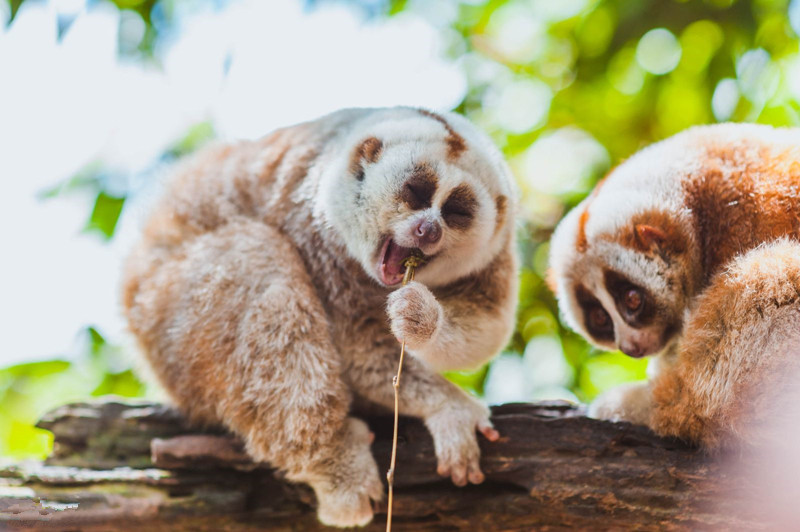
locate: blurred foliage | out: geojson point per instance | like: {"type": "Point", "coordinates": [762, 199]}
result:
{"type": "Point", "coordinates": [29, 390]}
{"type": "Point", "coordinates": [567, 88]}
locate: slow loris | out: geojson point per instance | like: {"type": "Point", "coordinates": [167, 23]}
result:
{"type": "Point", "coordinates": [265, 291]}
{"type": "Point", "coordinates": [690, 251]}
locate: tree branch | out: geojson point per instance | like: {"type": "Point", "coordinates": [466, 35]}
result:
{"type": "Point", "coordinates": [115, 465]}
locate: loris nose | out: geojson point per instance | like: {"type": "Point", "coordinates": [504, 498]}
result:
{"type": "Point", "coordinates": [427, 232]}
{"type": "Point", "coordinates": [633, 349]}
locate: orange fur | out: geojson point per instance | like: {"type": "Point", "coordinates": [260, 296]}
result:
{"type": "Point", "coordinates": [582, 243]}
{"type": "Point", "coordinates": [653, 230]}
{"type": "Point", "coordinates": [744, 196]}
{"type": "Point", "coordinates": [733, 354]}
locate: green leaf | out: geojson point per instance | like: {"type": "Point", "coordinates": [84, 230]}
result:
{"type": "Point", "coordinates": [89, 178]}
{"type": "Point", "coordinates": [396, 6]}
{"type": "Point", "coordinates": [14, 5]}
{"type": "Point", "coordinates": [123, 384]}
{"type": "Point", "coordinates": [607, 370]}
{"type": "Point", "coordinates": [105, 214]}
{"type": "Point", "coordinates": [96, 341]}
{"type": "Point", "coordinates": [197, 135]}
{"type": "Point", "coordinates": [36, 369]}
{"type": "Point", "coordinates": [471, 381]}
{"type": "Point", "coordinates": [23, 440]}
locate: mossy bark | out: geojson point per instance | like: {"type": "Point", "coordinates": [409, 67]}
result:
{"type": "Point", "coordinates": [116, 466]}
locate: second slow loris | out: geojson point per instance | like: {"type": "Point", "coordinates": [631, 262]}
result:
{"type": "Point", "coordinates": [259, 291]}
{"type": "Point", "coordinates": [689, 251]}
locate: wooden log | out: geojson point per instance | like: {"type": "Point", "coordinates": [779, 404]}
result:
{"type": "Point", "coordinates": [118, 465]}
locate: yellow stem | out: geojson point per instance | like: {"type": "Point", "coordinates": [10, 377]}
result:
{"type": "Point", "coordinates": [411, 264]}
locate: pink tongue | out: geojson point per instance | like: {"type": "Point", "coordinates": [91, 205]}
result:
{"type": "Point", "coordinates": [393, 261]}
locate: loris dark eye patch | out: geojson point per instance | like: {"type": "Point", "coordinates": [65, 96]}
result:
{"type": "Point", "coordinates": [418, 190]}
{"type": "Point", "coordinates": [596, 319]}
{"type": "Point", "coordinates": [634, 303]}
{"type": "Point", "coordinates": [459, 208]}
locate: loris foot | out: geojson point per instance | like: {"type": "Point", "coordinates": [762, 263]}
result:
{"type": "Point", "coordinates": [416, 317]}
{"type": "Point", "coordinates": [629, 402]}
{"type": "Point", "coordinates": [455, 440]}
{"type": "Point", "coordinates": [349, 481]}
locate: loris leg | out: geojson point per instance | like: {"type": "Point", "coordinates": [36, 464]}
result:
{"type": "Point", "coordinates": [628, 402]}
{"type": "Point", "coordinates": [237, 336]}
{"type": "Point", "coordinates": [633, 401]}
{"type": "Point", "coordinates": [739, 348]}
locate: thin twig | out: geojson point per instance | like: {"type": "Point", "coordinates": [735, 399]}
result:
{"type": "Point", "coordinates": [411, 264]}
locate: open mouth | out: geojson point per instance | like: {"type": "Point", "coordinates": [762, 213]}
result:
{"type": "Point", "coordinates": [391, 268]}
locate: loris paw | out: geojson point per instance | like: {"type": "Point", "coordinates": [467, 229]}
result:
{"type": "Point", "coordinates": [629, 402]}
{"type": "Point", "coordinates": [455, 440]}
{"type": "Point", "coordinates": [350, 482]}
{"type": "Point", "coordinates": [415, 315]}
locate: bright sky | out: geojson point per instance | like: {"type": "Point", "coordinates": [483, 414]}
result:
{"type": "Point", "coordinates": [65, 104]}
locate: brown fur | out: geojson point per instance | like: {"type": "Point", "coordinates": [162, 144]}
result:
{"type": "Point", "coordinates": [501, 204]}
{"type": "Point", "coordinates": [741, 199]}
{"type": "Point", "coordinates": [368, 151]}
{"type": "Point", "coordinates": [420, 188]}
{"type": "Point", "coordinates": [255, 317]}
{"type": "Point", "coordinates": [652, 231]}
{"type": "Point", "coordinates": [731, 357]}
{"type": "Point", "coordinates": [456, 144]}
{"type": "Point", "coordinates": [489, 292]}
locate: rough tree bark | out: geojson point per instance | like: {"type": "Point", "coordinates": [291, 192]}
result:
{"type": "Point", "coordinates": [120, 466]}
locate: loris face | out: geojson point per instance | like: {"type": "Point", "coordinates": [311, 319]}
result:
{"type": "Point", "coordinates": [622, 281]}
{"type": "Point", "coordinates": [618, 308]}
{"type": "Point", "coordinates": [413, 182]}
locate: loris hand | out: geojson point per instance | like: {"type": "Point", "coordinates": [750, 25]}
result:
{"type": "Point", "coordinates": [453, 429]}
{"type": "Point", "coordinates": [416, 317]}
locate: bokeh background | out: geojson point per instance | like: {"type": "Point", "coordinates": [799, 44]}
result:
{"type": "Point", "coordinates": [99, 97]}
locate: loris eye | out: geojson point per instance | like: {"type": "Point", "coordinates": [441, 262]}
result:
{"type": "Point", "coordinates": [633, 299]}
{"type": "Point", "coordinates": [417, 194]}
{"type": "Point", "coordinates": [596, 319]}
{"type": "Point", "coordinates": [635, 304]}
{"type": "Point", "coordinates": [460, 207]}
{"type": "Point", "coordinates": [599, 319]}
{"type": "Point", "coordinates": [456, 214]}
{"type": "Point", "coordinates": [418, 190]}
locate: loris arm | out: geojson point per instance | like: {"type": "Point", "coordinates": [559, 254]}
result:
{"type": "Point", "coordinates": [468, 323]}
{"type": "Point", "coordinates": [462, 325]}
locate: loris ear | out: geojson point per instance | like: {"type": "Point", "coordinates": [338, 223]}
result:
{"type": "Point", "coordinates": [649, 236]}
{"type": "Point", "coordinates": [367, 151]}
{"type": "Point", "coordinates": [656, 232]}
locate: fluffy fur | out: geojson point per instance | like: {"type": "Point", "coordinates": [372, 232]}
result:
{"type": "Point", "coordinates": [265, 291]}
{"type": "Point", "coordinates": [690, 251]}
